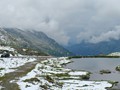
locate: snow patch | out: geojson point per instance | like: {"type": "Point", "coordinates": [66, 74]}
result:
{"type": "Point", "coordinates": [47, 75]}
{"type": "Point", "coordinates": [7, 64]}
{"type": "Point", "coordinates": [114, 54]}
{"type": "Point", "coordinates": [7, 48]}
{"type": "Point", "coordinates": [77, 73]}
{"type": "Point", "coordinates": [84, 85]}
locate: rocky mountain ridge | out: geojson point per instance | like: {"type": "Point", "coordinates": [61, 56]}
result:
{"type": "Point", "coordinates": [33, 42]}
{"type": "Point", "coordinates": [102, 48]}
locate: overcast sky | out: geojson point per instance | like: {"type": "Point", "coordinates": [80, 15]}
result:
{"type": "Point", "coordinates": [65, 20]}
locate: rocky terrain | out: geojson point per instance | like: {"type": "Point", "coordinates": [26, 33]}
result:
{"type": "Point", "coordinates": [31, 42]}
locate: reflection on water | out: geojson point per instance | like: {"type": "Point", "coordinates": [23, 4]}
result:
{"type": "Point", "coordinates": [94, 65]}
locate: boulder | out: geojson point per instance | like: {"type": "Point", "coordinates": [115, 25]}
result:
{"type": "Point", "coordinates": [118, 68]}
{"type": "Point", "coordinates": [5, 54]}
{"type": "Point", "coordinates": [105, 71]}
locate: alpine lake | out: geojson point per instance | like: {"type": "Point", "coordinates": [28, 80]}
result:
{"type": "Point", "coordinates": [96, 66]}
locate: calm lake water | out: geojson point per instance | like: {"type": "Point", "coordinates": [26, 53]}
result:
{"type": "Point", "coordinates": [94, 65]}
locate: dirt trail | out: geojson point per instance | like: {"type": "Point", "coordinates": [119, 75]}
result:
{"type": "Point", "coordinates": [21, 71]}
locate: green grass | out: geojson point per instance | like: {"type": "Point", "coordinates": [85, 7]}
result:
{"type": "Point", "coordinates": [32, 79]}
{"type": "Point", "coordinates": [85, 77]}
{"type": "Point", "coordinates": [44, 87]}
{"type": "Point", "coordinates": [62, 75]}
{"type": "Point", "coordinates": [2, 68]}
{"type": "Point", "coordinates": [49, 79]}
{"type": "Point", "coordinates": [94, 56]}
{"type": "Point", "coordinates": [1, 78]}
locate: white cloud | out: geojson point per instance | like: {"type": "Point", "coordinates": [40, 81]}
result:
{"type": "Point", "coordinates": [113, 34]}
{"type": "Point", "coordinates": [33, 14]}
{"type": "Point", "coordinates": [57, 18]}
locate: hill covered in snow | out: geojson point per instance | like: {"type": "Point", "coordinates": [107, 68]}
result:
{"type": "Point", "coordinates": [114, 54]}
{"type": "Point", "coordinates": [31, 42]}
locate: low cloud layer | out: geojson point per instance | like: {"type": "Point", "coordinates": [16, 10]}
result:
{"type": "Point", "coordinates": [66, 21]}
{"type": "Point", "coordinates": [110, 35]}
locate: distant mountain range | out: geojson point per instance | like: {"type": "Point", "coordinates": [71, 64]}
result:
{"type": "Point", "coordinates": [31, 42]}
{"type": "Point", "coordinates": [86, 48]}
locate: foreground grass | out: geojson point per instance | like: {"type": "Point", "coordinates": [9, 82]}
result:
{"type": "Point", "coordinates": [21, 71]}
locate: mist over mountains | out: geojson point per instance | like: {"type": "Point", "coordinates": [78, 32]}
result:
{"type": "Point", "coordinates": [87, 48]}
{"type": "Point", "coordinates": [39, 42]}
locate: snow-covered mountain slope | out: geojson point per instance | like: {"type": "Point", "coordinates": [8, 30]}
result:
{"type": "Point", "coordinates": [5, 37]}
{"type": "Point", "coordinates": [114, 54]}
{"type": "Point", "coordinates": [35, 42]}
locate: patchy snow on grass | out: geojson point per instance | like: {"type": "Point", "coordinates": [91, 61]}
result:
{"type": "Point", "coordinates": [36, 80]}
{"type": "Point", "coordinates": [6, 48]}
{"type": "Point", "coordinates": [50, 75]}
{"type": "Point", "coordinates": [56, 62]}
{"type": "Point", "coordinates": [8, 64]}
{"type": "Point", "coordinates": [84, 85]}
{"type": "Point", "coordinates": [1, 87]}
